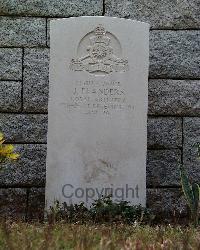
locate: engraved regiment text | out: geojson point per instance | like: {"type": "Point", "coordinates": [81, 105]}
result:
{"type": "Point", "coordinates": [93, 96]}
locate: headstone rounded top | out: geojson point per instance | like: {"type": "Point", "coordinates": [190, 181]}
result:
{"type": "Point", "coordinates": [104, 18]}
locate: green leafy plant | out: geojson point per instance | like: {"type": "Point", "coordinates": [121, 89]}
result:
{"type": "Point", "coordinates": [68, 213]}
{"type": "Point", "coordinates": [102, 210]}
{"type": "Point", "coordinates": [105, 209]}
{"type": "Point", "coordinates": [6, 151]}
{"type": "Point", "coordinates": [192, 195]}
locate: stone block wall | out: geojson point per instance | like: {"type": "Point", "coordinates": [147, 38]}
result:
{"type": "Point", "coordinates": [174, 94]}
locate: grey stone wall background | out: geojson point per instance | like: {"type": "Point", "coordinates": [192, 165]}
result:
{"type": "Point", "coordinates": [174, 91]}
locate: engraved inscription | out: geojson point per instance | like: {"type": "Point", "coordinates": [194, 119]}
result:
{"type": "Point", "coordinates": [98, 97]}
{"type": "Point", "coordinates": [101, 56]}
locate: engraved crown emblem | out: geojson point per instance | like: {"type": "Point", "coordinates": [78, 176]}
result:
{"type": "Point", "coordinates": [99, 30]}
{"type": "Point", "coordinates": [100, 57]}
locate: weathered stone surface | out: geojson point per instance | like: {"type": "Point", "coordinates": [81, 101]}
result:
{"type": "Point", "coordinates": [164, 132]}
{"type": "Point", "coordinates": [167, 201]}
{"type": "Point", "coordinates": [10, 64]}
{"type": "Point", "coordinates": [175, 54]}
{"type": "Point", "coordinates": [10, 96]}
{"type": "Point", "coordinates": [163, 167]}
{"type": "Point", "coordinates": [36, 65]}
{"type": "Point", "coordinates": [28, 170]}
{"type": "Point", "coordinates": [24, 128]}
{"type": "Point", "coordinates": [36, 204]}
{"type": "Point", "coordinates": [191, 156]}
{"type": "Point", "coordinates": [17, 31]}
{"type": "Point", "coordinates": [13, 203]}
{"type": "Point", "coordinates": [174, 97]}
{"type": "Point", "coordinates": [65, 8]}
{"type": "Point", "coordinates": [160, 14]}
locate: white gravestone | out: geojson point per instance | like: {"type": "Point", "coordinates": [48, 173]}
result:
{"type": "Point", "coordinates": [97, 127]}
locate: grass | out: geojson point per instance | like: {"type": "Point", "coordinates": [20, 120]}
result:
{"type": "Point", "coordinates": [14, 236]}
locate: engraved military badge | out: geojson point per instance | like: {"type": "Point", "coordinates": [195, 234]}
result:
{"type": "Point", "coordinates": [99, 52]}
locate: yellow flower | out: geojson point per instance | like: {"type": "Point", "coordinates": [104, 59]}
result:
{"type": "Point", "coordinates": [14, 156]}
{"type": "Point", "coordinates": [1, 138]}
{"type": "Point", "coordinates": [6, 151]}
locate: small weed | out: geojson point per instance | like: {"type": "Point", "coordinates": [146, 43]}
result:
{"type": "Point", "coordinates": [102, 211]}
